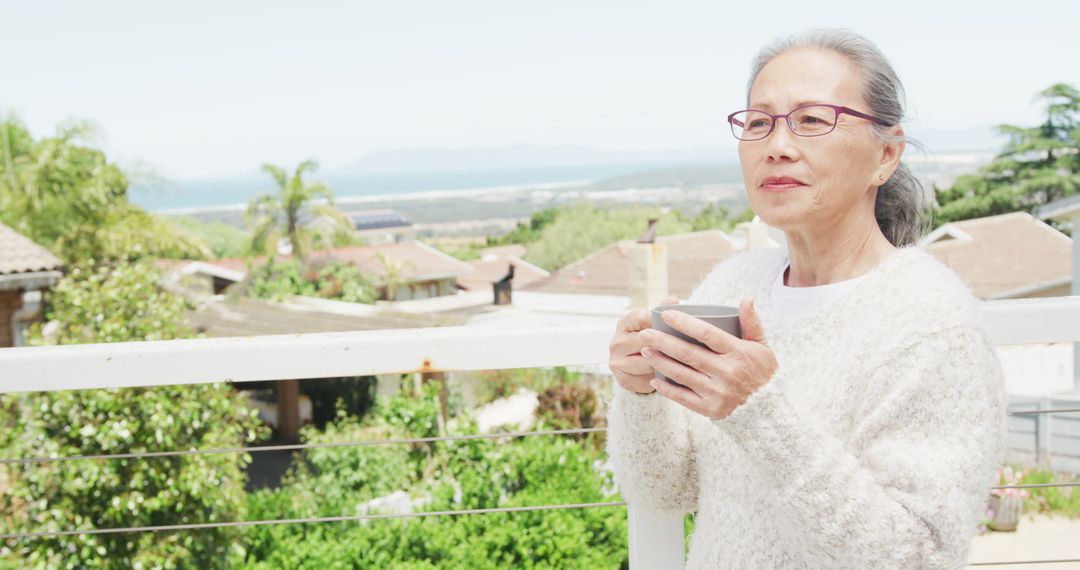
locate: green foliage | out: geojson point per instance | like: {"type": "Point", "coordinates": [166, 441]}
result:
{"type": "Point", "coordinates": [345, 282]}
{"type": "Point", "coordinates": [472, 474]}
{"type": "Point", "coordinates": [582, 229]}
{"type": "Point", "coordinates": [712, 217]}
{"type": "Point", "coordinates": [558, 236]}
{"type": "Point", "coordinates": [63, 193]}
{"type": "Point", "coordinates": [279, 279]}
{"type": "Point", "coordinates": [224, 240]}
{"type": "Point", "coordinates": [470, 252]}
{"type": "Point", "coordinates": [490, 385]}
{"type": "Point", "coordinates": [273, 216]}
{"type": "Point", "coordinates": [121, 493]}
{"type": "Point", "coordinates": [1057, 500]}
{"type": "Point", "coordinates": [1038, 165]}
{"type": "Point", "coordinates": [110, 304]}
{"type": "Point", "coordinates": [527, 233]}
{"type": "Point", "coordinates": [331, 397]}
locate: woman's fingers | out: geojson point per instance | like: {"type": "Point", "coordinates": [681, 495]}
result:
{"type": "Point", "coordinates": [719, 340]}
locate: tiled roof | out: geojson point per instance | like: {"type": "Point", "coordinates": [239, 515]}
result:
{"type": "Point", "coordinates": [1002, 256]}
{"type": "Point", "coordinates": [607, 271]}
{"type": "Point", "coordinates": [20, 255]}
{"type": "Point", "coordinates": [493, 267]}
{"type": "Point", "coordinates": [419, 260]}
{"type": "Point", "coordinates": [249, 317]}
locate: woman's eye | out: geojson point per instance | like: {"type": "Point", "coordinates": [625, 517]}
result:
{"type": "Point", "coordinates": [758, 124]}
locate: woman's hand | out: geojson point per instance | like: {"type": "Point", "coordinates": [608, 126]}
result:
{"type": "Point", "coordinates": [624, 359]}
{"type": "Point", "coordinates": [717, 379]}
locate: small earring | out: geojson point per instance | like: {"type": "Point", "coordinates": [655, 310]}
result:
{"type": "Point", "coordinates": [881, 177]}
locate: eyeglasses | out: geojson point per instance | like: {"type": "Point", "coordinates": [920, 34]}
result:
{"type": "Point", "coordinates": [806, 121]}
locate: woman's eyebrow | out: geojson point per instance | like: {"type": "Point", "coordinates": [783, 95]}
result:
{"type": "Point", "coordinates": [766, 106]}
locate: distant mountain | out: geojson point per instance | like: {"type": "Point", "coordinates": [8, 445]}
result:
{"type": "Point", "coordinates": [519, 156]}
{"type": "Point", "coordinates": [689, 176]}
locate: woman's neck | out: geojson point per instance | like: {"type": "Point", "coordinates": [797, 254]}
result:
{"type": "Point", "coordinates": [835, 254]}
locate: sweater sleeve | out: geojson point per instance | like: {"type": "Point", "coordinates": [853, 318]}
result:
{"type": "Point", "coordinates": [650, 452]}
{"type": "Point", "coordinates": [928, 448]}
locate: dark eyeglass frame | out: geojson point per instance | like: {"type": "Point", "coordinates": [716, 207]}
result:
{"type": "Point", "coordinates": [840, 110]}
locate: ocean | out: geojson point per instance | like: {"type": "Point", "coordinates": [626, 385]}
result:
{"type": "Point", "coordinates": [235, 192]}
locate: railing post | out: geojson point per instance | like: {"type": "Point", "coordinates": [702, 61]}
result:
{"type": "Point", "coordinates": [656, 540]}
{"type": "Point", "coordinates": [288, 405]}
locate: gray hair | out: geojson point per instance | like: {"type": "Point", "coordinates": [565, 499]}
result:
{"type": "Point", "coordinates": [902, 208]}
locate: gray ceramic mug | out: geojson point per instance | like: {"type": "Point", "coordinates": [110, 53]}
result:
{"type": "Point", "coordinates": [720, 316]}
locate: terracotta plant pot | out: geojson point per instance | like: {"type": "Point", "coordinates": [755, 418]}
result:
{"type": "Point", "coordinates": [1007, 511]}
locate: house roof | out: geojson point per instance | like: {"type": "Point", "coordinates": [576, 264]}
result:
{"type": "Point", "coordinates": [18, 254]}
{"type": "Point", "coordinates": [494, 266]}
{"type": "Point", "coordinates": [249, 317]}
{"type": "Point", "coordinates": [607, 271]}
{"type": "Point", "coordinates": [420, 261]}
{"type": "Point", "coordinates": [1003, 256]}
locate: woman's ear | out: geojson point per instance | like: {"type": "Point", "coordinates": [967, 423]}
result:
{"type": "Point", "coordinates": [891, 153]}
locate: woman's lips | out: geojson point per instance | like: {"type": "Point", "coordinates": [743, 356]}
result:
{"type": "Point", "coordinates": [780, 184]}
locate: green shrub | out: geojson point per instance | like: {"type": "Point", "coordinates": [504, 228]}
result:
{"type": "Point", "coordinates": [106, 304]}
{"type": "Point", "coordinates": [471, 474]}
{"type": "Point", "coordinates": [279, 279]}
{"type": "Point", "coordinates": [1057, 500]}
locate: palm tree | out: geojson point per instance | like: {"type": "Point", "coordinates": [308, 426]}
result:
{"type": "Point", "coordinates": [395, 274]}
{"type": "Point", "coordinates": [64, 194]}
{"type": "Point", "coordinates": [274, 216]}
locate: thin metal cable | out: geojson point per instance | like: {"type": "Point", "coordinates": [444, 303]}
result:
{"type": "Point", "coordinates": [1061, 561]}
{"type": "Point", "coordinates": [297, 446]}
{"type": "Point", "coordinates": [300, 446]}
{"type": "Point", "coordinates": [1035, 485]}
{"type": "Point", "coordinates": [1036, 412]}
{"type": "Point", "coordinates": [345, 518]}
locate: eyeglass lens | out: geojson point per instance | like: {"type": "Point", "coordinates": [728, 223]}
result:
{"type": "Point", "coordinates": [809, 121]}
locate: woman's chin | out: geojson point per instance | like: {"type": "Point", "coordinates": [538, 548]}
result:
{"type": "Point", "coordinates": [779, 218]}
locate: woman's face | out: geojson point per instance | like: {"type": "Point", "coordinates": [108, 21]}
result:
{"type": "Point", "coordinates": [838, 171]}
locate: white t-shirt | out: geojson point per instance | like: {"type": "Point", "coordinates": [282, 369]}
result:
{"type": "Point", "coordinates": [794, 302]}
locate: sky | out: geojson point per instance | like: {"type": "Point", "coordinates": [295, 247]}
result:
{"type": "Point", "coordinates": [197, 90]}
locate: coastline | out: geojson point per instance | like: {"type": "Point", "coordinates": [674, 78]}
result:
{"type": "Point", "coordinates": [404, 197]}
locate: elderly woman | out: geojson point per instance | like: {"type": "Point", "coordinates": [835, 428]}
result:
{"type": "Point", "coordinates": [859, 421]}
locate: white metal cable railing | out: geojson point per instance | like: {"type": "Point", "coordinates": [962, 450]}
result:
{"type": "Point", "coordinates": [655, 540]}
{"type": "Point", "coordinates": [336, 444]}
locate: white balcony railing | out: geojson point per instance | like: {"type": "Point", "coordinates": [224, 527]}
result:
{"type": "Point", "coordinates": [655, 540]}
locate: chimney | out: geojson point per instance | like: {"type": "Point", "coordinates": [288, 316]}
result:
{"type": "Point", "coordinates": [648, 269]}
{"type": "Point", "coordinates": [503, 288]}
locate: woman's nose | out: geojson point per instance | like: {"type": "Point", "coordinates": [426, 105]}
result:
{"type": "Point", "coordinates": [780, 144]}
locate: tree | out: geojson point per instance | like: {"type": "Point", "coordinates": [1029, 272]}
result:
{"type": "Point", "coordinates": [112, 303]}
{"type": "Point", "coordinates": [526, 233]}
{"type": "Point", "coordinates": [273, 216]}
{"type": "Point", "coordinates": [279, 279]}
{"type": "Point", "coordinates": [1038, 165]}
{"type": "Point", "coordinates": [224, 240]}
{"type": "Point", "coordinates": [583, 228]}
{"type": "Point", "coordinates": [395, 274]}
{"type": "Point", "coordinates": [64, 194]}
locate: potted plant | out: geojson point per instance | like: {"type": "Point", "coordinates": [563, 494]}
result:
{"type": "Point", "coordinates": [1006, 505]}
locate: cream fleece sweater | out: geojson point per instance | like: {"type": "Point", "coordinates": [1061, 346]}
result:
{"type": "Point", "coordinates": [873, 446]}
